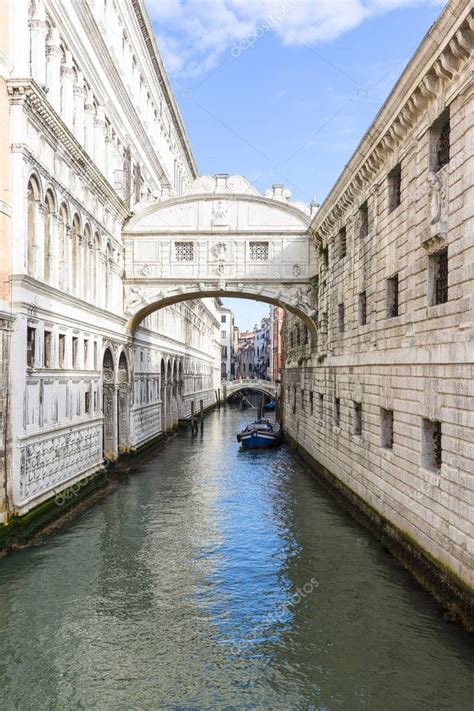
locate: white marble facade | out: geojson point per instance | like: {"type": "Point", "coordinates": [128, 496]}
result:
{"type": "Point", "coordinates": [95, 134]}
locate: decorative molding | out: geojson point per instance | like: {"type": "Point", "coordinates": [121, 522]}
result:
{"type": "Point", "coordinates": [438, 67]}
{"type": "Point", "coordinates": [54, 461]}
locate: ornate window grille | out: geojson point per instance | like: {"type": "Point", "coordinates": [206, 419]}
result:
{"type": "Point", "coordinates": [259, 251]}
{"type": "Point", "coordinates": [184, 251]}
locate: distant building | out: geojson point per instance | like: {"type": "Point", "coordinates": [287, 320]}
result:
{"type": "Point", "coordinates": [262, 348]}
{"type": "Point", "coordinates": [227, 343]}
{"type": "Point", "coordinates": [246, 354]}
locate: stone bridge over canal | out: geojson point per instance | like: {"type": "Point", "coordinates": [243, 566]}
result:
{"type": "Point", "coordinates": [221, 238]}
{"type": "Point", "coordinates": [262, 386]}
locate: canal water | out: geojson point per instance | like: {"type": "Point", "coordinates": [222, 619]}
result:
{"type": "Point", "coordinates": [221, 579]}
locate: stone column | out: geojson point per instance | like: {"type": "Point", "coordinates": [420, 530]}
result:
{"type": "Point", "coordinates": [53, 68]}
{"type": "Point", "coordinates": [89, 123]}
{"type": "Point", "coordinates": [99, 138]}
{"type": "Point", "coordinates": [67, 91]}
{"type": "Point", "coordinates": [38, 31]}
{"type": "Point", "coordinates": [79, 108]}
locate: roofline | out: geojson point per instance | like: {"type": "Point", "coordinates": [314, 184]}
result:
{"type": "Point", "coordinates": [149, 36]}
{"type": "Point", "coordinates": [425, 55]}
{"type": "Point", "coordinates": [186, 197]}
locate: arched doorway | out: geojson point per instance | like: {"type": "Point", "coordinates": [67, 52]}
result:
{"type": "Point", "coordinates": [109, 437]}
{"type": "Point", "coordinates": [123, 405]}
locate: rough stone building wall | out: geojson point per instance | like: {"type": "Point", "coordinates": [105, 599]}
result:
{"type": "Point", "coordinates": [415, 361]}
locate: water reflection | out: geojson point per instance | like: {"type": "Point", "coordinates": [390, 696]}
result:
{"type": "Point", "coordinates": [180, 591]}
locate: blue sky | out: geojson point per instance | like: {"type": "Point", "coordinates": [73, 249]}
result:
{"type": "Point", "coordinates": [282, 91]}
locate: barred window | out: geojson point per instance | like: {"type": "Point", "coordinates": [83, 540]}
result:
{"type": "Point", "coordinates": [362, 308]}
{"type": "Point", "coordinates": [443, 145]}
{"type": "Point", "coordinates": [342, 243]}
{"type": "Point", "coordinates": [259, 251]}
{"type": "Point", "coordinates": [394, 188]}
{"type": "Point", "coordinates": [391, 296]}
{"type": "Point", "coordinates": [364, 219]}
{"type": "Point", "coordinates": [386, 428]}
{"type": "Point", "coordinates": [357, 418]}
{"type": "Point", "coordinates": [438, 275]}
{"type": "Point", "coordinates": [184, 251]}
{"type": "Point", "coordinates": [431, 445]}
{"type": "Point", "coordinates": [440, 141]}
{"type": "Point", "coordinates": [340, 313]}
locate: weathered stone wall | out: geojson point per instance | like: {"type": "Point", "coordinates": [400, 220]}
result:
{"type": "Point", "coordinates": [412, 360]}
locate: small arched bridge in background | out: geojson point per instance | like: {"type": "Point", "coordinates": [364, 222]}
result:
{"type": "Point", "coordinates": [221, 238]}
{"type": "Point", "coordinates": [262, 386]}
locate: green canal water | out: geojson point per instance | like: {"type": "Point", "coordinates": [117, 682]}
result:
{"type": "Point", "coordinates": [221, 579]}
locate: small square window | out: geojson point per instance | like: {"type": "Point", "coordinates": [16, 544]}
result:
{"type": "Point", "coordinates": [223, 319]}
{"type": "Point", "coordinates": [386, 428]}
{"type": "Point", "coordinates": [341, 316]}
{"type": "Point", "coordinates": [391, 296]}
{"type": "Point", "coordinates": [438, 278]}
{"type": "Point", "coordinates": [431, 444]}
{"type": "Point", "coordinates": [395, 188]}
{"type": "Point", "coordinates": [362, 308]}
{"type": "Point", "coordinates": [357, 418]}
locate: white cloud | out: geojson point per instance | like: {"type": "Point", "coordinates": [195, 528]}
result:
{"type": "Point", "coordinates": [195, 35]}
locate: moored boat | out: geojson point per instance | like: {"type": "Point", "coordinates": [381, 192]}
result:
{"type": "Point", "coordinates": [260, 434]}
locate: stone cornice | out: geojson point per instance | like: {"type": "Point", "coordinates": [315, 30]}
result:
{"type": "Point", "coordinates": [188, 198]}
{"type": "Point", "coordinates": [27, 92]}
{"type": "Point", "coordinates": [147, 31]}
{"type": "Point", "coordinates": [119, 90]}
{"type": "Point", "coordinates": [444, 52]}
